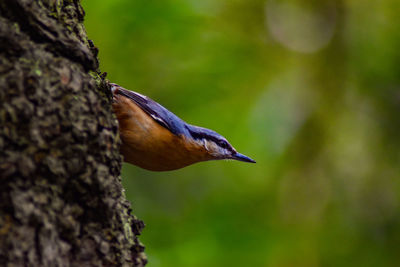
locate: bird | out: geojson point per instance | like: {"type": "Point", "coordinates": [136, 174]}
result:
{"type": "Point", "coordinates": [155, 139]}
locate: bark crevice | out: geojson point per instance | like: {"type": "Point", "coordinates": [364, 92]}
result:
{"type": "Point", "coordinates": [59, 27]}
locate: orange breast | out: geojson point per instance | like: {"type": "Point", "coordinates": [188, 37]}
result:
{"type": "Point", "coordinates": [149, 145]}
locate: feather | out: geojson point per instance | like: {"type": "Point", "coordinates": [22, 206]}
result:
{"type": "Point", "coordinates": [160, 114]}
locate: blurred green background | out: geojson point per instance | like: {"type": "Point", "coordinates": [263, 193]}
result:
{"type": "Point", "coordinates": [309, 89]}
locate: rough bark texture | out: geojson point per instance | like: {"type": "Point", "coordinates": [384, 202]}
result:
{"type": "Point", "coordinates": [61, 199]}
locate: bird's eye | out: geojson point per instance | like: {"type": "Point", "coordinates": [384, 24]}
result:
{"type": "Point", "coordinates": [223, 144]}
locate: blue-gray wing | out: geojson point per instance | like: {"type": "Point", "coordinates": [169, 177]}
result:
{"type": "Point", "coordinates": [160, 114]}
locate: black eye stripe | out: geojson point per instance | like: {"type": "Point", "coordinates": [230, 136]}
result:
{"type": "Point", "coordinates": [223, 144]}
{"type": "Point", "coordinates": [205, 134]}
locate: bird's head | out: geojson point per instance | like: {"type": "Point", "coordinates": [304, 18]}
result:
{"type": "Point", "coordinates": [215, 145]}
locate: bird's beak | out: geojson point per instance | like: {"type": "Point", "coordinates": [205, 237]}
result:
{"type": "Point", "coordinates": [242, 157]}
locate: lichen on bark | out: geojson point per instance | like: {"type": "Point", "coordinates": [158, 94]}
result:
{"type": "Point", "coordinates": [61, 199]}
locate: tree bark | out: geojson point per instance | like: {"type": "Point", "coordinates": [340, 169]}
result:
{"type": "Point", "coordinates": [61, 199]}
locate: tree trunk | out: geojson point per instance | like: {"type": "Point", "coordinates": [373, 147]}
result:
{"type": "Point", "coordinates": [61, 199]}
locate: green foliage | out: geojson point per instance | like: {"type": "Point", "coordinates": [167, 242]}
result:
{"type": "Point", "coordinates": [309, 91]}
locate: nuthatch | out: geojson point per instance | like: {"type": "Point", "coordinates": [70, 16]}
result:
{"type": "Point", "coordinates": [154, 138]}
